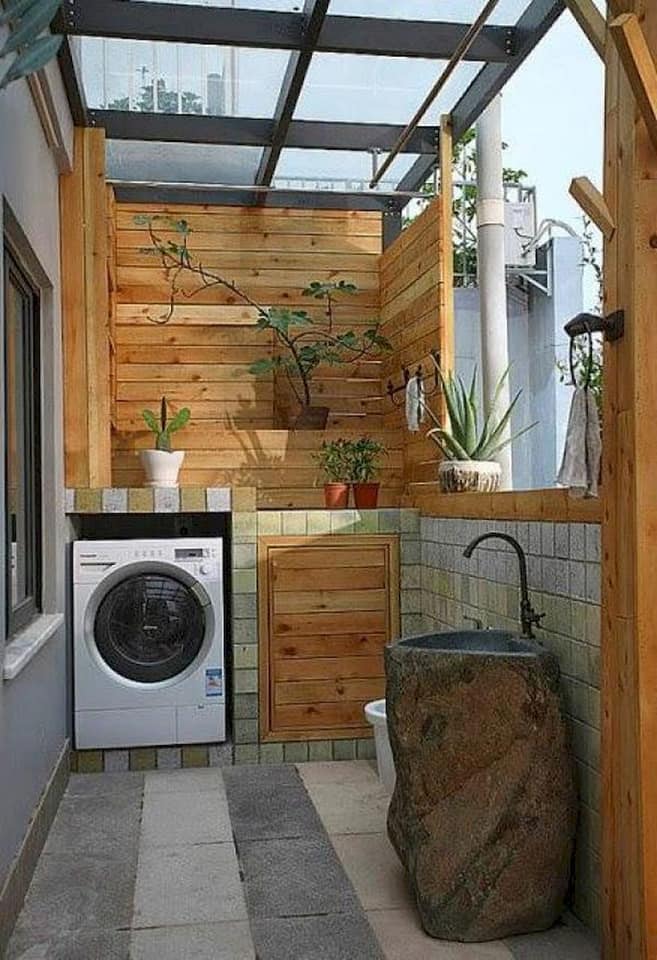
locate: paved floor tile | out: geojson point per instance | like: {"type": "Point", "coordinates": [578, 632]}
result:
{"type": "Point", "coordinates": [206, 941]}
{"type": "Point", "coordinates": [69, 894]}
{"type": "Point", "coordinates": [315, 938]}
{"type": "Point", "coordinates": [174, 818]}
{"type": "Point", "coordinates": [402, 938]}
{"type": "Point", "coordinates": [102, 784]}
{"type": "Point", "coordinates": [183, 781]}
{"type": "Point", "coordinates": [351, 807]}
{"type": "Point", "coordinates": [331, 773]}
{"type": "Point", "coordinates": [274, 775]}
{"type": "Point", "coordinates": [560, 943]}
{"type": "Point", "coordinates": [85, 945]}
{"type": "Point", "coordinates": [91, 825]}
{"type": "Point", "coordinates": [188, 884]}
{"type": "Point", "coordinates": [261, 811]}
{"type": "Point", "coordinates": [287, 878]}
{"type": "Point", "coordinates": [374, 869]}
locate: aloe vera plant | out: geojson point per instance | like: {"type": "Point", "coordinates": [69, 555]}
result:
{"type": "Point", "coordinates": [27, 40]}
{"type": "Point", "coordinates": [467, 438]}
{"type": "Point", "coordinates": [163, 427]}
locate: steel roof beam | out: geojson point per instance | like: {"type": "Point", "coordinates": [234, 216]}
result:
{"type": "Point", "coordinates": [256, 132]}
{"type": "Point", "coordinates": [314, 12]}
{"type": "Point", "coordinates": [226, 26]}
{"type": "Point", "coordinates": [532, 26]}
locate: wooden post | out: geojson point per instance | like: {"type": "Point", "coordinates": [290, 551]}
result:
{"type": "Point", "coordinates": [629, 635]}
{"type": "Point", "coordinates": [592, 23]}
{"type": "Point", "coordinates": [446, 244]}
{"type": "Point", "coordinates": [85, 300]}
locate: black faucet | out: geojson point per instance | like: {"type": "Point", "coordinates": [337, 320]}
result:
{"type": "Point", "coordinates": [528, 616]}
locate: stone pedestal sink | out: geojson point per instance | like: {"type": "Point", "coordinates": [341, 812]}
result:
{"type": "Point", "coordinates": [484, 808]}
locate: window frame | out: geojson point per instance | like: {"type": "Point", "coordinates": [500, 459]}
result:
{"type": "Point", "coordinates": [20, 615]}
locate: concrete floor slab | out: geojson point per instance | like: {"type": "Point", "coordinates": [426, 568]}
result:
{"type": "Point", "coordinates": [86, 825]}
{"type": "Point", "coordinates": [206, 941]}
{"type": "Point", "coordinates": [315, 938]}
{"type": "Point", "coordinates": [102, 784]}
{"type": "Point", "coordinates": [262, 811]}
{"type": "Point", "coordinates": [351, 807]}
{"type": "Point", "coordinates": [294, 878]}
{"type": "Point", "coordinates": [329, 773]}
{"type": "Point", "coordinates": [83, 945]}
{"type": "Point", "coordinates": [188, 884]}
{"type": "Point", "coordinates": [183, 781]}
{"type": "Point", "coordinates": [375, 871]}
{"type": "Point", "coordinates": [402, 938]}
{"type": "Point", "coordinates": [563, 942]}
{"type": "Point", "coordinates": [175, 818]}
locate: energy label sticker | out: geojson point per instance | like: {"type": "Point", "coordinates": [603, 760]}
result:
{"type": "Point", "coordinates": [214, 682]}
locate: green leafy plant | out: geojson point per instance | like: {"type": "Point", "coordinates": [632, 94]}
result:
{"type": "Point", "coordinates": [364, 456]}
{"type": "Point", "coordinates": [30, 45]}
{"type": "Point", "coordinates": [164, 427]}
{"type": "Point", "coordinates": [334, 458]}
{"type": "Point", "coordinates": [466, 438]}
{"type": "Point", "coordinates": [303, 343]}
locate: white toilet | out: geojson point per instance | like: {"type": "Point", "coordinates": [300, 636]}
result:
{"type": "Point", "coordinates": [375, 713]}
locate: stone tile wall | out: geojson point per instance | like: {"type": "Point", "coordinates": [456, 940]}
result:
{"type": "Point", "coordinates": [564, 580]}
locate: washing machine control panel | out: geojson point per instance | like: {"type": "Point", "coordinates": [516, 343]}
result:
{"type": "Point", "coordinates": [95, 560]}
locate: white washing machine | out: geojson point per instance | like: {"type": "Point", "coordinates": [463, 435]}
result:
{"type": "Point", "coordinates": [148, 642]}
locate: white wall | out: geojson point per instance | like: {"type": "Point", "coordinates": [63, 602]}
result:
{"type": "Point", "coordinates": [33, 706]}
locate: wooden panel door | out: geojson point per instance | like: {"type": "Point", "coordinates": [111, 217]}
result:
{"type": "Point", "coordinates": [328, 606]}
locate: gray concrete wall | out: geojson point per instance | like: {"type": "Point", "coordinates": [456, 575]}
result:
{"type": "Point", "coordinates": [564, 580]}
{"type": "Point", "coordinates": [536, 344]}
{"type": "Point", "coordinates": [33, 705]}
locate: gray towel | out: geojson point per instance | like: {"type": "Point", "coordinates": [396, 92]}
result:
{"type": "Point", "coordinates": [580, 467]}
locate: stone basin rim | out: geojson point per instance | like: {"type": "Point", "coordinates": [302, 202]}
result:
{"type": "Point", "coordinates": [471, 643]}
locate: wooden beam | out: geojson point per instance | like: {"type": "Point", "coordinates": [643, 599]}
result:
{"type": "Point", "coordinates": [594, 205]}
{"type": "Point", "coordinates": [639, 64]}
{"type": "Point", "coordinates": [592, 23]}
{"type": "Point", "coordinates": [629, 547]}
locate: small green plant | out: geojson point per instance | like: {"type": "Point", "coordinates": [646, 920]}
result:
{"type": "Point", "coordinates": [334, 458]}
{"type": "Point", "coordinates": [163, 427]}
{"type": "Point", "coordinates": [466, 439]}
{"type": "Point", "coordinates": [32, 48]}
{"type": "Point", "coordinates": [364, 456]}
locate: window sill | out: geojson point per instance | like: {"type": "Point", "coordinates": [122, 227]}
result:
{"type": "Point", "coordinates": [26, 644]}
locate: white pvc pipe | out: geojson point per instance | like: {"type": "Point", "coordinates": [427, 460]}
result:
{"type": "Point", "coordinates": [492, 273]}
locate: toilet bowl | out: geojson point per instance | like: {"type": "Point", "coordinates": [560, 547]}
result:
{"type": "Point", "coordinates": [375, 713]}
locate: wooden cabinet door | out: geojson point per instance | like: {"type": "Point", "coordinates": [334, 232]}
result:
{"type": "Point", "coordinates": [327, 606]}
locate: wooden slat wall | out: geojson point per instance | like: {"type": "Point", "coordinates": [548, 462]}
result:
{"type": "Point", "coordinates": [327, 609]}
{"type": "Point", "coordinates": [411, 295]}
{"type": "Point", "coordinates": [86, 311]}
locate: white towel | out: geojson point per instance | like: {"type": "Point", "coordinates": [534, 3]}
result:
{"type": "Point", "coordinates": [414, 403]}
{"type": "Point", "coordinates": [580, 466]}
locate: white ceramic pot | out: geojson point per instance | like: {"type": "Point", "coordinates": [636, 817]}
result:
{"type": "Point", "coordinates": [375, 713]}
{"type": "Point", "coordinates": [469, 476]}
{"type": "Point", "coordinates": [162, 467]}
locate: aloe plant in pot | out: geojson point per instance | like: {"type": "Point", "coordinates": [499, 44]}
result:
{"type": "Point", "coordinates": [468, 445]}
{"type": "Point", "coordinates": [334, 459]}
{"type": "Point", "coordinates": [162, 465]}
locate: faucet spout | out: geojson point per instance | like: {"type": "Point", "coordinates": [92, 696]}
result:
{"type": "Point", "coordinates": [528, 616]}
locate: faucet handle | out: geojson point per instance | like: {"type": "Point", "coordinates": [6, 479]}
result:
{"type": "Point", "coordinates": [479, 624]}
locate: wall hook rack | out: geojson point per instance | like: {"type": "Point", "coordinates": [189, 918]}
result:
{"type": "Point", "coordinates": [419, 375]}
{"type": "Point", "coordinates": [612, 326]}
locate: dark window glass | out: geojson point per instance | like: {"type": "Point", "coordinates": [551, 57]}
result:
{"type": "Point", "coordinates": [22, 423]}
{"type": "Point", "coordinates": [149, 627]}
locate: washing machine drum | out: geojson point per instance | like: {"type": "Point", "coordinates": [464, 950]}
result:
{"type": "Point", "coordinates": [149, 627]}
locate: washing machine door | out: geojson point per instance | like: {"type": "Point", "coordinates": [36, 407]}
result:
{"type": "Point", "coordinates": [150, 626]}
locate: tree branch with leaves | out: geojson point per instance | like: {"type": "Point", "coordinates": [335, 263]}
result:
{"type": "Point", "coordinates": [27, 42]}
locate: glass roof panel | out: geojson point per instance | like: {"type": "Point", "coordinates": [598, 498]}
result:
{"type": "Point", "coordinates": [147, 75]}
{"type": "Point", "coordinates": [450, 11]}
{"type": "Point", "coordinates": [369, 89]}
{"type": "Point", "coordinates": [335, 170]}
{"type": "Point", "coordinates": [286, 6]}
{"type": "Point", "coordinates": [136, 160]}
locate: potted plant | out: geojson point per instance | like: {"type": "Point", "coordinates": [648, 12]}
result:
{"type": "Point", "coordinates": [468, 447]}
{"type": "Point", "coordinates": [301, 342]}
{"type": "Point", "coordinates": [364, 455]}
{"type": "Point", "coordinates": [162, 465]}
{"type": "Point", "coordinates": [333, 458]}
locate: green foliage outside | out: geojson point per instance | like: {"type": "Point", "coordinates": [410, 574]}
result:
{"type": "Point", "coordinates": [28, 43]}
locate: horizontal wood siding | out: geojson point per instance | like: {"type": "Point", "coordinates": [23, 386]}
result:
{"type": "Point", "coordinates": [327, 609]}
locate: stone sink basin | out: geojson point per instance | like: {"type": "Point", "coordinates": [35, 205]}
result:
{"type": "Point", "coordinates": [484, 808]}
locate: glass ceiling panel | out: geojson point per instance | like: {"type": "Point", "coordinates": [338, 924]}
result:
{"type": "Point", "coordinates": [451, 11]}
{"type": "Point", "coordinates": [350, 87]}
{"type": "Point", "coordinates": [335, 170]}
{"type": "Point", "coordinates": [286, 6]}
{"type": "Point", "coordinates": [131, 160]}
{"type": "Point", "coordinates": [147, 75]}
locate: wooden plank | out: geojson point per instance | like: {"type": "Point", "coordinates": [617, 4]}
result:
{"type": "Point", "coordinates": [639, 64]}
{"type": "Point", "coordinates": [328, 691]}
{"type": "Point", "coordinates": [593, 204]}
{"type": "Point", "coordinates": [326, 716]}
{"type": "Point", "coordinates": [327, 668]}
{"type": "Point", "coordinates": [592, 23]}
{"type": "Point", "coordinates": [447, 245]}
{"type": "Point", "coordinates": [342, 578]}
{"type": "Point", "coordinates": [555, 505]}
{"type": "Point", "coordinates": [305, 600]}
{"type": "Point", "coordinates": [319, 646]}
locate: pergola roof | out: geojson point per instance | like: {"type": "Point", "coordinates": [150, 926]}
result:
{"type": "Point", "coordinates": [283, 102]}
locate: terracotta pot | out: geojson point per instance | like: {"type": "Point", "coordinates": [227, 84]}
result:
{"type": "Point", "coordinates": [312, 418]}
{"type": "Point", "coordinates": [336, 495]}
{"type": "Point", "coordinates": [366, 495]}
{"type": "Point", "coordinates": [469, 476]}
{"type": "Point", "coordinates": [161, 467]}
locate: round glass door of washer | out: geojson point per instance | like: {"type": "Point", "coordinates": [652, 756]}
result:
{"type": "Point", "coordinates": [149, 627]}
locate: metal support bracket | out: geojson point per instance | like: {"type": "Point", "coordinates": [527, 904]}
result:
{"type": "Point", "coordinates": [612, 326]}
